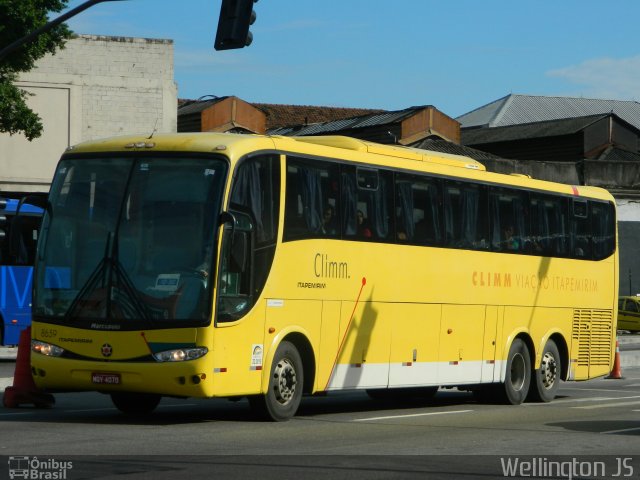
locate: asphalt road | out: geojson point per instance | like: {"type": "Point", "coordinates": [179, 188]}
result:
{"type": "Point", "coordinates": [343, 435]}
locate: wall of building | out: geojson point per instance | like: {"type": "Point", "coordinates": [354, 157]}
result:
{"type": "Point", "coordinates": [96, 87]}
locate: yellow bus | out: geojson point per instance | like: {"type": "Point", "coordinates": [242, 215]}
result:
{"type": "Point", "coordinates": [224, 265]}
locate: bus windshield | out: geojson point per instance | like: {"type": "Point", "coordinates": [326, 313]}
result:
{"type": "Point", "coordinates": [129, 241]}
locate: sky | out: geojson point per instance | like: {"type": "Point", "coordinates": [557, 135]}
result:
{"type": "Point", "coordinates": [456, 55]}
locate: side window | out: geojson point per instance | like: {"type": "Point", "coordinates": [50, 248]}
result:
{"type": "Point", "coordinates": [256, 190]}
{"type": "Point", "coordinates": [603, 229]}
{"type": "Point", "coordinates": [632, 306]}
{"type": "Point", "coordinates": [312, 208]}
{"type": "Point", "coordinates": [418, 210]}
{"type": "Point", "coordinates": [367, 196]}
{"type": "Point", "coordinates": [510, 221]}
{"type": "Point", "coordinates": [249, 244]}
{"type": "Point", "coordinates": [580, 229]}
{"type": "Point", "coordinates": [549, 225]}
{"type": "Point", "coordinates": [465, 215]}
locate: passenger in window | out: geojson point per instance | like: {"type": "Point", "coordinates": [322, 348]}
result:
{"type": "Point", "coordinates": [329, 221]}
{"type": "Point", "coordinates": [363, 226]}
{"type": "Point", "coordinates": [510, 242]}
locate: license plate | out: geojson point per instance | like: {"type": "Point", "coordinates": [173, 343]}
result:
{"type": "Point", "coordinates": [106, 378]}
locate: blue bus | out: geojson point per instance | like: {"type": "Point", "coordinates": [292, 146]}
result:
{"type": "Point", "coordinates": [19, 225]}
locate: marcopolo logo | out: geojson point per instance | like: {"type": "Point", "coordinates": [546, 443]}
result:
{"type": "Point", "coordinates": [33, 468]}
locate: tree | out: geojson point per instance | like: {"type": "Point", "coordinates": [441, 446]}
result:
{"type": "Point", "coordinates": [18, 18]}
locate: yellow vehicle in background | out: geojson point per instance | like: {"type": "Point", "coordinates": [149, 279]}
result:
{"type": "Point", "coordinates": [629, 314]}
{"type": "Point", "coordinates": [225, 265]}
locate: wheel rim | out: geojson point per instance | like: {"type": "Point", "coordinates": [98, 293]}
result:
{"type": "Point", "coordinates": [518, 371]}
{"type": "Point", "coordinates": [548, 370]}
{"type": "Point", "coordinates": [285, 381]}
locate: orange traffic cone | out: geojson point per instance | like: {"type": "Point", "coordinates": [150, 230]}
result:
{"type": "Point", "coordinates": [616, 373]}
{"type": "Point", "coordinates": [24, 390]}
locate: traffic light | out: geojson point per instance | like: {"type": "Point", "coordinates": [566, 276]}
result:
{"type": "Point", "coordinates": [233, 26]}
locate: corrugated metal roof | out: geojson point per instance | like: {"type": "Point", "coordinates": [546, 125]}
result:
{"type": "Point", "coordinates": [441, 145]}
{"type": "Point", "coordinates": [516, 109]}
{"type": "Point", "coordinates": [619, 155]}
{"type": "Point", "coordinates": [362, 121]}
{"type": "Point", "coordinates": [551, 128]}
{"type": "Point", "coordinates": [197, 106]}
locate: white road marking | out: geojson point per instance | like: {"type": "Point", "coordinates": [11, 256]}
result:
{"type": "Point", "coordinates": [409, 416]}
{"type": "Point", "coordinates": [622, 430]}
{"type": "Point", "coordinates": [608, 405]}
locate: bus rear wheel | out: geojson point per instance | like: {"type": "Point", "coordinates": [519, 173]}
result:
{"type": "Point", "coordinates": [286, 382]}
{"type": "Point", "coordinates": [518, 375]}
{"type": "Point", "coordinates": [135, 403]}
{"type": "Point", "coordinates": [547, 377]}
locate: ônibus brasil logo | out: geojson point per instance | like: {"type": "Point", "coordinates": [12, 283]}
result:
{"type": "Point", "coordinates": [35, 469]}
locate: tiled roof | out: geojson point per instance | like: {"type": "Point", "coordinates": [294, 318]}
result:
{"type": "Point", "coordinates": [516, 109]}
{"type": "Point", "coordinates": [551, 128]}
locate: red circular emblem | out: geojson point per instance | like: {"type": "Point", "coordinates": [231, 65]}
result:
{"type": "Point", "coordinates": [106, 350]}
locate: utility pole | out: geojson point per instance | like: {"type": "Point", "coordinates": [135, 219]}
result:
{"type": "Point", "coordinates": [48, 26]}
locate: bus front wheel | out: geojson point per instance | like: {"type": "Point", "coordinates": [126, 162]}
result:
{"type": "Point", "coordinates": [135, 403]}
{"type": "Point", "coordinates": [285, 386]}
{"type": "Point", "coordinates": [547, 377]}
{"type": "Point", "coordinates": [518, 375]}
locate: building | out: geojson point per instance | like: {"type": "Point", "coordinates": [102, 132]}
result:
{"type": "Point", "coordinates": [96, 87]}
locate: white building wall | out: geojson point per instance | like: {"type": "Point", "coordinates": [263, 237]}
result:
{"type": "Point", "coordinates": [96, 87]}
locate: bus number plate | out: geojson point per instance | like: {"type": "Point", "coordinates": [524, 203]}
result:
{"type": "Point", "coordinates": [106, 378]}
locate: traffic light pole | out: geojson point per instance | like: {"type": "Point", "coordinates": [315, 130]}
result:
{"type": "Point", "coordinates": [48, 26]}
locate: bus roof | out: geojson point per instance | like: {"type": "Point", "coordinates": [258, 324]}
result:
{"type": "Point", "coordinates": [235, 146]}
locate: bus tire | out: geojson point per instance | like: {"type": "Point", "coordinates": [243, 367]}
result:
{"type": "Point", "coordinates": [286, 381]}
{"type": "Point", "coordinates": [135, 403]}
{"type": "Point", "coordinates": [518, 375]}
{"type": "Point", "coordinates": [547, 377]}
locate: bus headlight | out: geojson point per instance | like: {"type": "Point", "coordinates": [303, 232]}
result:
{"type": "Point", "coordinates": [180, 354]}
{"type": "Point", "coordinates": [46, 348]}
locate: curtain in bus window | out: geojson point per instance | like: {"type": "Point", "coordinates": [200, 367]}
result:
{"type": "Point", "coordinates": [494, 207]}
{"type": "Point", "coordinates": [247, 192]}
{"type": "Point", "coordinates": [405, 215]}
{"type": "Point", "coordinates": [449, 233]}
{"type": "Point", "coordinates": [560, 229]}
{"type": "Point", "coordinates": [377, 206]}
{"type": "Point", "coordinates": [349, 204]}
{"type": "Point", "coordinates": [435, 234]}
{"type": "Point", "coordinates": [469, 221]}
{"type": "Point", "coordinates": [311, 193]}
{"type": "Point", "coordinates": [519, 217]}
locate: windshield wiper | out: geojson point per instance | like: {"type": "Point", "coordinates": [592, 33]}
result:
{"type": "Point", "coordinates": [108, 273]}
